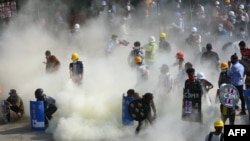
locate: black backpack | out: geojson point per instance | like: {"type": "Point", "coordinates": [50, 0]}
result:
{"type": "Point", "coordinates": [224, 78]}
{"type": "Point", "coordinates": [211, 134]}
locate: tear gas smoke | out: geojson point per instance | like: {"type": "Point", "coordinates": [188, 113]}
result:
{"type": "Point", "coordinates": [92, 111]}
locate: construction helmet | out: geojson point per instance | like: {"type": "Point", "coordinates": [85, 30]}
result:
{"type": "Point", "coordinates": [179, 54]}
{"type": "Point", "coordinates": [39, 93]}
{"type": "Point", "coordinates": [218, 123]}
{"type": "Point", "coordinates": [227, 1]}
{"type": "Point", "coordinates": [138, 59]}
{"type": "Point", "coordinates": [224, 65]}
{"type": "Point", "coordinates": [163, 35]}
{"type": "Point", "coordinates": [200, 75]}
{"type": "Point", "coordinates": [231, 13]}
{"type": "Point", "coordinates": [217, 3]}
{"type": "Point", "coordinates": [241, 7]}
{"type": "Point", "coordinates": [76, 26]}
{"type": "Point", "coordinates": [74, 56]}
{"type": "Point", "coordinates": [151, 39]}
{"type": "Point", "coordinates": [194, 29]}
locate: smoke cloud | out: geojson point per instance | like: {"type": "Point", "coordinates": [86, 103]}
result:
{"type": "Point", "coordinates": [92, 111]}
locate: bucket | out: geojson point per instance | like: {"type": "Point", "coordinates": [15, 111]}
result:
{"type": "Point", "coordinates": [37, 115]}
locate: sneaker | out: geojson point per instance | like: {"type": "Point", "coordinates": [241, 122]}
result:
{"type": "Point", "coordinates": [242, 113]}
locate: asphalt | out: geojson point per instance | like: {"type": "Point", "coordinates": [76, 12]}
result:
{"type": "Point", "coordinates": [20, 130]}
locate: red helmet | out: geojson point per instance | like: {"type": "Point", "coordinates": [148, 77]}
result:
{"type": "Point", "coordinates": [179, 54]}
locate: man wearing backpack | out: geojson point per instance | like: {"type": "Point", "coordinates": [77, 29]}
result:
{"type": "Point", "coordinates": [216, 135]}
{"type": "Point", "coordinates": [76, 68]}
{"type": "Point", "coordinates": [137, 51]}
{"type": "Point", "coordinates": [49, 104]}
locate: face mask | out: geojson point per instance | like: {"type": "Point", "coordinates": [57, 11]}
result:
{"type": "Point", "coordinates": [74, 61]}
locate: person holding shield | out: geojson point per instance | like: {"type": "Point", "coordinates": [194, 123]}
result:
{"type": "Point", "coordinates": [50, 106]}
{"type": "Point", "coordinates": [142, 110]}
{"type": "Point", "coordinates": [192, 98]}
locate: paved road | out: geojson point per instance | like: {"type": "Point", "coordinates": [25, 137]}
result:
{"type": "Point", "coordinates": [20, 130]}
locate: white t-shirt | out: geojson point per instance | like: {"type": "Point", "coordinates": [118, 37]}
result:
{"type": "Point", "coordinates": [214, 137]}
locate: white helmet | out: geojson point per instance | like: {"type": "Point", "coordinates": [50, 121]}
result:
{"type": "Point", "coordinates": [200, 75]}
{"type": "Point", "coordinates": [151, 39]}
{"type": "Point", "coordinates": [241, 7]}
{"type": "Point", "coordinates": [76, 26]}
{"type": "Point", "coordinates": [231, 13]}
{"type": "Point", "coordinates": [194, 29]}
{"type": "Point", "coordinates": [217, 3]}
{"type": "Point", "coordinates": [104, 3]}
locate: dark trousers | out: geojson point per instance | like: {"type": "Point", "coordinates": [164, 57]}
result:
{"type": "Point", "coordinates": [16, 109]}
{"type": "Point", "coordinates": [240, 89]}
{"type": "Point", "coordinates": [231, 118]}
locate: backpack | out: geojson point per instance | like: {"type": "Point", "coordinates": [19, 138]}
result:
{"type": "Point", "coordinates": [211, 134]}
{"type": "Point", "coordinates": [79, 69]}
{"type": "Point", "coordinates": [224, 78]}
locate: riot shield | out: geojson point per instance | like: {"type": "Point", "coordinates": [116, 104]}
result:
{"type": "Point", "coordinates": [138, 110]}
{"type": "Point", "coordinates": [126, 118]}
{"type": "Point", "coordinates": [5, 111]}
{"type": "Point", "coordinates": [229, 95]}
{"type": "Point", "coordinates": [191, 106]}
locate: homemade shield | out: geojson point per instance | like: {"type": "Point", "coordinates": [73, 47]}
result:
{"type": "Point", "coordinates": [37, 117]}
{"type": "Point", "coordinates": [5, 111]}
{"type": "Point", "coordinates": [138, 110]}
{"type": "Point", "coordinates": [228, 95]}
{"type": "Point", "coordinates": [126, 118]}
{"type": "Point", "coordinates": [191, 106]}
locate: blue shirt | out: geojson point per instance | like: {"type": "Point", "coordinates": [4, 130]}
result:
{"type": "Point", "coordinates": [237, 73]}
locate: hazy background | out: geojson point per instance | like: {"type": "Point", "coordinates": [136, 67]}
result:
{"type": "Point", "coordinates": [93, 111]}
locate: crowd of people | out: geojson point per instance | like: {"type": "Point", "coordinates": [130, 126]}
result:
{"type": "Point", "coordinates": [229, 21]}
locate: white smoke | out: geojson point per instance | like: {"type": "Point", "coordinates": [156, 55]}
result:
{"type": "Point", "coordinates": [93, 110]}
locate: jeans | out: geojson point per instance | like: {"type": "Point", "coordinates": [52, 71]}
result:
{"type": "Point", "coordinates": [240, 89]}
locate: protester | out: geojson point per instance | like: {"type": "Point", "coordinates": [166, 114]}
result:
{"type": "Point", "coordinates": [52, 63]}
{"type": "Point", "coordinates": [76, 68]}
{"type": "Point", "coordinates": [16, 103]}
{"type": "Point", "coordinates": [147, 99]}
{"type": "Point", "coordinates": [49, 104]}
{"type": "Point", "coordinates": [136, 51]}
{"type": "Point", "coordinates": [218, 134]}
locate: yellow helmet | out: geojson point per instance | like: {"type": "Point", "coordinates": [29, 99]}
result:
{"type": "Point", "coordinates": [74, 56]}
{"type": "Point", "coordinates": [218, 123]}
{"type": "Point", "coordinates": [227, 1]}
{"type": "Point", "coordinates": [224, 65]}
{"type": "Point", "coordinates": [138, 59]}
{"type": "Point", "coordinates": [163, 35]}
